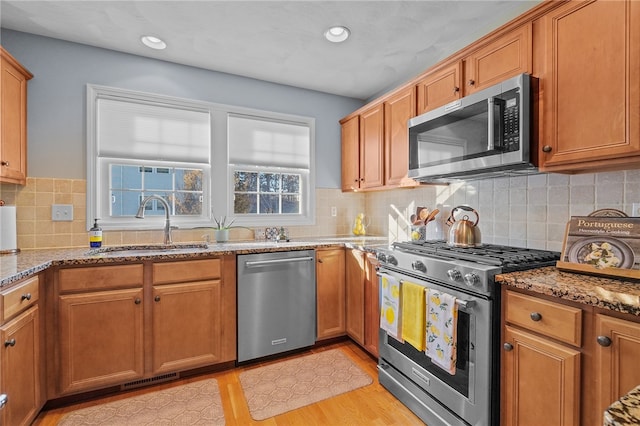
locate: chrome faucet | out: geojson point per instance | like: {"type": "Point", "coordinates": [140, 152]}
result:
{"type": "Point", "coordinates": [167, 221]}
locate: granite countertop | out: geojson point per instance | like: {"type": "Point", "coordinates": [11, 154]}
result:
{"type": "Point", "coordinates": [625, 411]}
{"type": "Point", "coordinates": [608, 293]}
{"type": "Point", "coordinates": [14, 267]}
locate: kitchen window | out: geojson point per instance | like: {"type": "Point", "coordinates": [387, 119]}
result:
{"type": "Point", "coordinates": [204, 159]}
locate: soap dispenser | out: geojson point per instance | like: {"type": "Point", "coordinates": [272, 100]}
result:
{"type": "Point", "coordinates": [95, 235]}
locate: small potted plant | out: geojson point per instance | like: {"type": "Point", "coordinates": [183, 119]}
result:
{"type": "Point", "coordinates": [221, 230]}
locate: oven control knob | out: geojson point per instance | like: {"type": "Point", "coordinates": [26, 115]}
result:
{"type": "Point", "coordinates": [454, 275]}
{"type": "Point", "coordinates": [471, 279]}
{"type": "Point", "coordinates": [382, 257]}
{"type": "Point", "coordinates": [419, 266]}
{"type": "Point", "coordinates": [392, 260]}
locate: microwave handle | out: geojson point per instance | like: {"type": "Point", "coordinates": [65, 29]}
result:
{"type": "Point", "coordinates": [493, 104]}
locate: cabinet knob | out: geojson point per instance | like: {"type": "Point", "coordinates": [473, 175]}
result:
{"type": "Point", "coordinates": [535, 316]}
{"type": "Point", "coordinates": [546, 148]}
{"type": "Point", "coordinates": [603, 341]}
{"type": "Point", "coordinates": [138, 301]}
{"type": "Point", "coordinates": [319, 260]}
{"type": "Point", "coordinates": [11, 342]}
{"type": "Point", "coordinates": [355, 180]}
{"type": "Point", "coordinates": [472, 82]}
{"type": "Point", "coordinates": [3, 400]}
{"type": "Point", "coordinates": [508, 347]}
{"type": "Point", "coordinates": [157, 298]}
{"type": "Point", "coordinates": [4, 163]}
{"type": "Point", "coordinates": [26, 297]}
{"type": "Point", "coordinates": [456, 89]}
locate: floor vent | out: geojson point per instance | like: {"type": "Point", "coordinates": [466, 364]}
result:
{"type": "Point", "coordinates": [149, 381]}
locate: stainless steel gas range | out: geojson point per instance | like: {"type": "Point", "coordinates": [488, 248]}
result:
{"type": "Point", "coordinates": [471, 395]}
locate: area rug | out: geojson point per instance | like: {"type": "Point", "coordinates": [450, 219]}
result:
{"type": "Point", "coordinates": [196, 403]}
{"type": "Point", "coordinates": [284, 386]}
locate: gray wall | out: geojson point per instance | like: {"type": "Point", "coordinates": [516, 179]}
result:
{"type": "Point", "coordinates": [56, 100]}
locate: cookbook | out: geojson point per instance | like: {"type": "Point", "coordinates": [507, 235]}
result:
{"type": "Point", "coordinates": [608, 246]}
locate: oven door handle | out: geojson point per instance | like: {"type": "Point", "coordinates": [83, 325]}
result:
{"type": "Point", "coordinates": [464, 304]}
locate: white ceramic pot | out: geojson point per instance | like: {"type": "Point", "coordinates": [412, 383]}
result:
{"type": "Point", "coordinates": [221, 235]}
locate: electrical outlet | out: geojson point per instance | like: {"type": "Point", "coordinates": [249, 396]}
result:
{"type": "Point", "coordinates": [61, 212]}
{"type": "Point", "coordinates": [334, 211]}
{"type": "Point", "coordinates": [635, 210]}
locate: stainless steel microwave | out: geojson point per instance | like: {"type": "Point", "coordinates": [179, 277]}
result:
{"type": "Point", "coordinates": [487, 133]}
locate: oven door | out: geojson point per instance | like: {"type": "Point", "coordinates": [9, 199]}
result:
{"type": "Point", "coordinates": [468, 396]}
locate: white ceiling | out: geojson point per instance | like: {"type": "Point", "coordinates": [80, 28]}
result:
{"type": "Point", "coordinates": [277, 41]}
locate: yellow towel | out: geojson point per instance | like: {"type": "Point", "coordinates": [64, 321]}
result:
{"type": "Point", "coordinates": [442, 320]}
{"type": "Point", "coordinates": [413, 314]}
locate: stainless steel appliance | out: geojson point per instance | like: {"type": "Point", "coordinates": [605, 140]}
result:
{"type": "Point", "coordinates": [471, 395]}
{"type": "Point", "coordinates": [484, 134]}
{"type": "Point", "coordinates": [276, 302]}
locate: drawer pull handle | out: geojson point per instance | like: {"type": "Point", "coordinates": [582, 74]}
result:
{"type": "Point", "coordinates": [508, 347]}
{"type": "Point", "coordinates": [3, 400]}
{"type": "Point", "coordinates": [535, 316]}
{"type": "Point", "coordinates": [603, 341]}
{"type": "Point", "coordinates": [4, 163]}
{"type": "Point", "coordinates": [8, 343]}
{"type": "Point", "coordinates": [26, 296]}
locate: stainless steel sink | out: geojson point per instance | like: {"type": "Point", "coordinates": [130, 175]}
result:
{"type": "Point", "coordinates": [147, 248]}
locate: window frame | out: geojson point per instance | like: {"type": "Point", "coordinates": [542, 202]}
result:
{"type": "Point", "coordinates": [218, 183]}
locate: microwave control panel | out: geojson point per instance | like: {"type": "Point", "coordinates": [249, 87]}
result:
{"type": "Point", "coordinates": [511, 124]}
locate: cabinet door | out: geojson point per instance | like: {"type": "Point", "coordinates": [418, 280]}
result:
{"type": "Point", "coordinates": [13, 127]}
{"type": "Point", "coordinates": [617, 362]}
{"type": "Point", "coordinates": [591, 90]}
{"type": "Point", "coordinates": [397, 111]}
{"type": "Point", "coordinates": [351, 154]}
{"type": "Point", "coordinates": [100, 339]}
{"type": "Point", "coordinates": [20, 360]}
{"type": "Point", "coordinates": [372, 147]}
{"type": "Point", "coordinates": [371, 305]}
{"type": "Point", "coordinates": [354, 283]}
{"type": "Point", "coordinates": [330, 283]}
{"type": "Point", "coordinates": [187, 325]}
{"type": "Point", "coordinates": [540, 378]}
{"type": "Point", "coordinates": [507, 56]}
{"type": "Point", "coordinates": [440, 87]}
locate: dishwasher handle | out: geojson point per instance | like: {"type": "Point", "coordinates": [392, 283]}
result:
{"type": "Point", "coordinates": [258, 263]}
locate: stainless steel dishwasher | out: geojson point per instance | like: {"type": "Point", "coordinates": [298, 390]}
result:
{"type": "Point", "coordinates": [276, 302]}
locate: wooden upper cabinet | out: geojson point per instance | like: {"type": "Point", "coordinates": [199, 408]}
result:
{"type": "Point", "coordinates": [351, 154]}
{"type": "Point", "coordinates": [591, 86]}
{"type": "Point", "coordinates": [13, 119]}
{"type": "Point", "coordinates": [372, 147]}
{"type": "Point", "coordinates": [439, 87]}
{"type": "Point", "coordinates": [508, 55]}
{"type": "Point", "coordinates": [398, 109]}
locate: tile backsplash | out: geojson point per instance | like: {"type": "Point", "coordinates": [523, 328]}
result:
{"type": "Point", "coordinates": [522, 211]}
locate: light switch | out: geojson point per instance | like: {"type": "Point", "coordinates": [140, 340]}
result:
{"type": "Point", "coordinates": [62, 212]}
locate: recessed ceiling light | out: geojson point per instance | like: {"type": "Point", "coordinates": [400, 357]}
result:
{"type": "Point", "coordinates": [153, 42]}
{"type": "Point", "coordinates": [337, 34]}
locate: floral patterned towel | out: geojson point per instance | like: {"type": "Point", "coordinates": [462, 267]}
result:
{"type": "Point", "coordinates": [442, 319]}
{"type": "Point", "coordinates": [390, 306]}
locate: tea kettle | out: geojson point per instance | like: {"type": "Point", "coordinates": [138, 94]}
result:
{"type": "Point", "coordinates": [463, 232]}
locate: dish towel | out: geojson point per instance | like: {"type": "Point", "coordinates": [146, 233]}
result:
{"type": "Point", "coordinates": [442, 319]}
{"type": "Point", "coordinates": [413, 314]}
{"type": "Point", "coordinates": [390, 306]}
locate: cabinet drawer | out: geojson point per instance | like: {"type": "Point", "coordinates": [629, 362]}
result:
{"type": "Point", "coordinates": [100, 278]}
{"type": "Point", "coordinates": [19, 298]}
{"type": "Point", "coordinates": [551, 319]}
{"type": "Point", "coordinates": [188, 270]}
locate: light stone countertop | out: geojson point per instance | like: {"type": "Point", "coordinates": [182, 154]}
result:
{"type": "Point", "coordinates": [14, 267]}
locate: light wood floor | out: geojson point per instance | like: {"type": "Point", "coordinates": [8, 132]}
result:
{"type": "Point", "coordinates": [370, 405]}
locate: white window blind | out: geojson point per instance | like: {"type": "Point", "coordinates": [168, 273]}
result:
{"type": "Point", "coordinates": [259, 142]}
{"type": "Point", "coordinates": [129, 129]}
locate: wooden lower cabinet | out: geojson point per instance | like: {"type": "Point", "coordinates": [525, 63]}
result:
{"type": "Point", "coordinates": [330, 293]}
{"type": "Point", "coordinates": [21, 369]}
{"type": "Point", "coordinates": [363, 304]}
{"type": "Point", "coordinates": [617, 355]}
{"type": "Point", "coordinates": [173, 316]}
{"type": "Point", "coordinates": [541, 381]}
